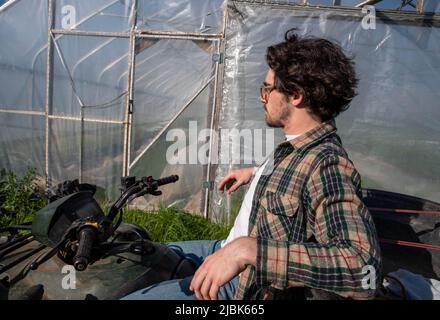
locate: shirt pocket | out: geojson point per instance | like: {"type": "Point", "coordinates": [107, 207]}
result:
{"type": "Point", "coordinates": [278, 215]}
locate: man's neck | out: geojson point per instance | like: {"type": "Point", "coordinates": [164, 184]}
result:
{"type": "Point", "coordinates": [300, 124]}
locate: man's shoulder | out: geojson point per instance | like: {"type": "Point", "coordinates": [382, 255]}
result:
{"type": "Point", "coordinates": [328, 148]}
{"type": "Point", "coordinates": [321, 160]}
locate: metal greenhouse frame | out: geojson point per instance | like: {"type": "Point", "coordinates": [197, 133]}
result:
{"type": "Point", "coordinates": [215, 82]}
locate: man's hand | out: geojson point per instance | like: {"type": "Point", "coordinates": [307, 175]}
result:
{"type": "Point", "coordinates": [240, 176]}
{"type": "Point", "coordinates": [220, 267]}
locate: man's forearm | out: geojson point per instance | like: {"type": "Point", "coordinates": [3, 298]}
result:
{"type": "Point", "coordinates": [246, 250]}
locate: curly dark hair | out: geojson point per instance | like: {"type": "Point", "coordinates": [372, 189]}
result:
{"type": "Point", "coordinates": [316, 67]}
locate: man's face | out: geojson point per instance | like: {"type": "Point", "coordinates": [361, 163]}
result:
{"type": "Point", "coordinates": [275, 103]}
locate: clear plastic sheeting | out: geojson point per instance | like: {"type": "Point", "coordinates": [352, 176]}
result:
{"type": "Point", "coordinates": [93, 152]}
{"type": "Point", "coordinates": [108, 89]}
{"type": "Point", "coordinates": [90, 73]}
{"type": "Point", "coordinates": [64, 149]}
{"type": "Point", "coordinates": [23, 34]}
{"type": "Point", "coordinates": [204, 16]}
{"type": "Point", "coordinates": [188, 192]}
{"type": "Point", "coordinates": [96, 15]}
{"type": "Point", "coordinates": [168, 74]}
{"type": "Point", "coordinates": [102, 156]}
{"type": "Point", "coordinates": [89, 82]}
{"type": "Point", "coordinates": [391, 130]}
{"type": "Point", "coordinates": [22, 84]}
{"type": "Point", "coordinates": [21, 142]}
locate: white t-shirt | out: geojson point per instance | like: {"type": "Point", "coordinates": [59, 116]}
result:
{"type": "Point", "coordinates": [241, 223]}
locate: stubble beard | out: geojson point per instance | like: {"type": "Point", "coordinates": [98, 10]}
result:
{"type": "Point", "coordinates": [277, 123]}
{"type": "Point", "coordinates": [271, 123]}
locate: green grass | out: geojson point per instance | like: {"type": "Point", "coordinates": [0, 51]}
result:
{"type": "Point", "coordinates": [19, 200]}
{"type": "Point", "coordinates": [172, 224]}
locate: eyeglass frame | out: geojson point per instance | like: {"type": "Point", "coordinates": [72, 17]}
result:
{"type": "Point", "coordinates": [269, 88]}
{"type": "Point", "coordinates": [265, 91]}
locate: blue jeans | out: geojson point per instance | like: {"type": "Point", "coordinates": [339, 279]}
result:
{"type": "Point", "coordinates": [178, 289]}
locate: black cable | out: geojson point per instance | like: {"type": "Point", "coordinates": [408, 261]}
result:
{"type": "Point", "coordinates": [118, 223]}
{"type": "Point", "coordinates": [122, 200]}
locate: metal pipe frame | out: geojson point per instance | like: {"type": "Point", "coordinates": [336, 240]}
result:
{"type": "Point", "coordinates": [141, 34]}
{"type": "Point", "coordinates": [83, 119]}
{"type": "Point", "coordinates": [81, 145]}
{"type": "Point", "coordinates": [211, 139]}
{"type": "Point", "coordinates": [178, 35]}
{"type": "Point", "coordinates": [420, 6]}
{"type": "Point", "coordinates": [367, 3]}
{"type": "Point", "coordinates": [216, 106]}
{"type": "Point", "coordinates": [91, 33]}
{"type": "Point", "coordinates": [59, 117]}
{"type": "Point", "coordinates": [391, 15]}
{"type": "Point", "coordinates": [129, 98]}
{"type": "Point", "coordinates": [27, 112]}
{"type": "Point", "coordinates": [8, 5]}
{"type": "Point", "coordinates": [49, 83]}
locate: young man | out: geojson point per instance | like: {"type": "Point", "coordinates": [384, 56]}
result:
{"type": "Point", "coordinates": [302, 230]}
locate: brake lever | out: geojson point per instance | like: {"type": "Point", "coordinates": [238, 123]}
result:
{"type": "Point", "coordinates": [144, 192]}
{"type": "Point", "coordinates": [42, 259]}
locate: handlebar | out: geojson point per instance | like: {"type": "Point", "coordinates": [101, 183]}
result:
{"type": "Point", "coordinates": [166, 180]}
{"type": "Point", "coordinates": [137, 188]}
{"type": "Point", "coordinates": [86, 238]}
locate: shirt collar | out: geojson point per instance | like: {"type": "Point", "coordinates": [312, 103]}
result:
{"type": "Point", "coordinates": [317, 133]}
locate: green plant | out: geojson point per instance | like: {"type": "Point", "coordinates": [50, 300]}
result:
{"type": "Point", "coordinates": [18, 197]}
{"type": "Point", "coordinates": [172, 224]}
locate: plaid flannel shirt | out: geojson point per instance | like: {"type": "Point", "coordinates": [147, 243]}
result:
{"type": "Point", "coordinates": [311, 225]}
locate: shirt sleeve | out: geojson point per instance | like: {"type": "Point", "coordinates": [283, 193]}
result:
{"type": "Point", "coordinates": [345, 258]}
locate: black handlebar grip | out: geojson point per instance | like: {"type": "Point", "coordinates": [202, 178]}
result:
{"type": "Point", "coordinates": [166, 180]}
{"type": "Point", "coordinates": [82, 257]}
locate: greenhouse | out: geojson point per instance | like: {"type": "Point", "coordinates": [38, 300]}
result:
{"type": "Point", "coordinates": [89, 89]}
{"type": "Point", "coordinates": [110, 91]}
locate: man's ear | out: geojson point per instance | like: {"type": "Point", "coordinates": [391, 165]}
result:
{"type": "Point", "coordinates": [297, 99]}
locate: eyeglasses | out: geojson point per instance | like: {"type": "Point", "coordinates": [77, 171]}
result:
{"type": "Point", "coordinates": [265, 93]}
